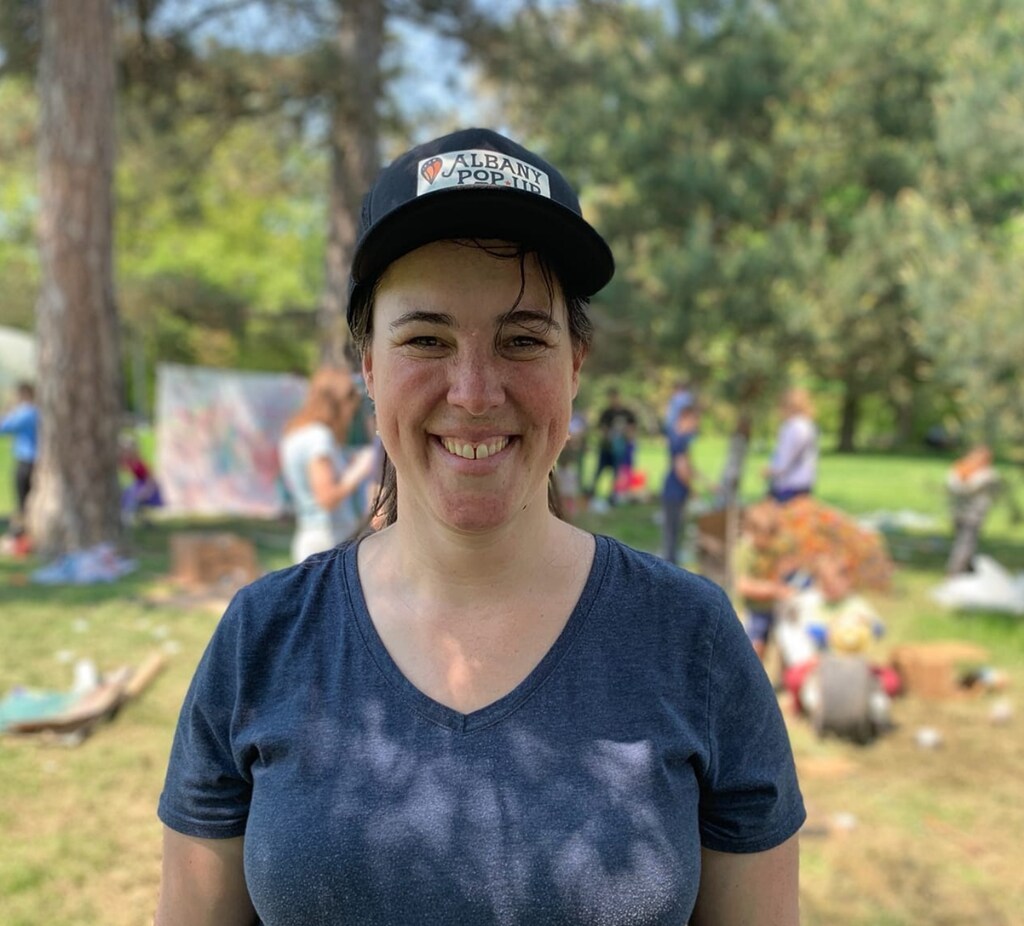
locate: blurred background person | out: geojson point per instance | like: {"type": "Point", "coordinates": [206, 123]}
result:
{"type": "Point", "coordinates": [682, 397]}
{"type": "Point", "coordinates": [764, 559]}
{"type": "Point", "coordinates": [678, 480]}
{"type": "Point", "coordinates": [143, 490]}
{"type": "Point", "coordinates": [22, 422]}
{"type": "Point", "coordinates": [569, 467]}
{"type": "Point", "coordinates": [323, 480]}
{"type": "Point", "coordinates": [794, 466]}
{"type": "Point", "coordinates": [616, 428]}
{"type": "Point", "coordinates": [973, 485]}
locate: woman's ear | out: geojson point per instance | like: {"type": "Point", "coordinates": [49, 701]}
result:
{"type": "Point", "coordinates": [368, 372]}
{"type": "Point", "coordinates": [578, 356]}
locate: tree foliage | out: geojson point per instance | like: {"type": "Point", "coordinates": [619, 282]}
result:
{"type": "Point", "coordinates": [815, 189]}
{"type": "Point", "coordinates": [764, 172]}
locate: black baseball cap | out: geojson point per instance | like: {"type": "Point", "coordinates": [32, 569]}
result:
{"type": "Point", "coordinates": [476, 183]}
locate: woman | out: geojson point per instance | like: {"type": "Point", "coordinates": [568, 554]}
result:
{"type": "Point", "coordinates": [479, 713]}
{"type": "Point", "coordinates": [323, 483]}
{"type": "Point", "coordinates": [794, 466]}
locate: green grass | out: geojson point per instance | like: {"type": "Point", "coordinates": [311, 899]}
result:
{"type": "Point", "coordinates": [937, 836]}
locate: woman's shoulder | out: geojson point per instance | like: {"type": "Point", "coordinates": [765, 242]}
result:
{"type": "Point", "coordinates": [804, 424]}
{"type": "Point", "coordinates": [309, 431]}
{"type": "Point", "coordinates": [638, 576]}
{"type": "Point", "coordinates": [648, 608]}
{"type": "Point", "coordinates": [279, 597]}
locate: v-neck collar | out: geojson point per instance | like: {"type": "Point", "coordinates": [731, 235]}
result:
{"type": "Point", "coordinates": [497, 710]}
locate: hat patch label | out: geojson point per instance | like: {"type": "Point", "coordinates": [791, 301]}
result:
{"type": "Point", "coordinates": [479, 168]}
{"type": "Point", "coordinates": [430, 169]}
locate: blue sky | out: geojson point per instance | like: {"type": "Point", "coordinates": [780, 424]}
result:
{"type": "Point", "coordinates": [433, 76]}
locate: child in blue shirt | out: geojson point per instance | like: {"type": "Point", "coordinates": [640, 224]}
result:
{"type": "Point", "coordinates": [22, 422]}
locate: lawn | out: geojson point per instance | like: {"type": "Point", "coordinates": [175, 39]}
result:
{"type": "Point", "coordinates": [897, 834]}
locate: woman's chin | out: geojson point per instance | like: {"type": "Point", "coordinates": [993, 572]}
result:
{"type": "Point", "coordinates": [478, 515]}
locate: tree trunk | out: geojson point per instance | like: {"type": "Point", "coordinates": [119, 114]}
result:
{"type": "Point", "coordinates": [355, 159]}
{"type": "Point", "coordinates": [75, 498]}
{"type": "Point", "coordinates": [903, 415]}
{"type": "Point", "coordinates": [850, 416]}
{"type": "Point", "coordinates": [735, 462]}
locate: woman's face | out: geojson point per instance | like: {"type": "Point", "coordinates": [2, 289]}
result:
{"type": "Point", "coordinates": [473, 396]}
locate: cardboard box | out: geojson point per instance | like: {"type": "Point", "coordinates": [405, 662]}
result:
{"type": "Point", "coordinates": [200, 558]}
{"type": "Point", "coordinates": [934, 670]}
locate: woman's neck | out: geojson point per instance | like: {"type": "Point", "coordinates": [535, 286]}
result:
{"type": "Point", "coordinates": [462, 569]}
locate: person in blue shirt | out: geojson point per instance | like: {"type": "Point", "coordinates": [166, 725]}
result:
{"type": "Point", "coordinates": [678, 480]}
{"type": "Point", "coordinates": [682, 397]}
{"type": "Point", "coordinates": [22, 422]}
{"type": "Point", "coordinates": [478, 713]}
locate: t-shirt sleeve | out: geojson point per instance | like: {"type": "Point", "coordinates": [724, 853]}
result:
{"type": "Point", "coordinates": [208, 785]}
{"type": "Point", "coordinates": [321, 442]}
{"type": "Point", "coordinates": [750, 798]}
{"type": "Point", "coordinates": [14, 421]}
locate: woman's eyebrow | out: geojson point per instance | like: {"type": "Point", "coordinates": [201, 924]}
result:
{"type": "Point", "coordinates": [533, 319]}
{"type": "Point", "coordinates": [423, 317]}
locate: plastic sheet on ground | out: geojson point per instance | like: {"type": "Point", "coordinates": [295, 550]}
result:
{"type": "Point", "coordinates": [990, 587]}
{"type": "Point", "coordinates": [71, 716]}
{"type": "Point", "coordinates": [24, 704]}
{"type": "Point", "coordinates": [902, 520]}
{"type": "Point", "coordinates": [820, 530]}
{"type": "Point", "coordinates": [100, 563]}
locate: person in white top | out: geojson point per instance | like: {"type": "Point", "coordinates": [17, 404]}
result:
{"type": "Point", "coordinates": [322, 479]}
{"type": "Point", "coordinates": [794, 465]}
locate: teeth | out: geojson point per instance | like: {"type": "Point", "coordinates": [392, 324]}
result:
{"type": "Point", "coordinates": [469, 452]}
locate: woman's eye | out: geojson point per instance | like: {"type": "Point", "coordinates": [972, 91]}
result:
{"type": "Point", "coordinates": [426, 341]}
{"type": "Point", "coordinates": [524, 342]}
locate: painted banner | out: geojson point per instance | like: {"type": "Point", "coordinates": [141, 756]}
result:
{"type": "Point", "coordinates": [217, 433]}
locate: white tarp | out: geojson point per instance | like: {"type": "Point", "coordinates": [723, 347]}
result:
{"type": "Point", "coordinates": [17, 361]}
{"type": "Point", "coordinates": [989, 588]}
{"type": "Point", "coordinates": [217, 433]}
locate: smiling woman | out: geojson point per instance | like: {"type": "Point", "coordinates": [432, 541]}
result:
{"type": "Point", "coordinates": [473, 372]}
{"type": "Point", "coordinates": [477, 712]}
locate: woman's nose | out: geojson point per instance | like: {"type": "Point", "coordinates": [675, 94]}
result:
{"type": "Point", "coordinates": [476, 382]}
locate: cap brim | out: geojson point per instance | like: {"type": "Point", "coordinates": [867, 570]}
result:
{"type": "Point", "coordinates": [582, 257]}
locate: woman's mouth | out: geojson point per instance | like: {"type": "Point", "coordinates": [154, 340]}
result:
{"type": "Point", "coordinates": [475, 450]}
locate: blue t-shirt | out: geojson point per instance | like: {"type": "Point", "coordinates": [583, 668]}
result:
{"type": "Point", "coordinates": [675, 490]}
{"type": "Point", "coordinates": [23, 423]}
{"type": "Point", "coordinates": [583, 796]}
